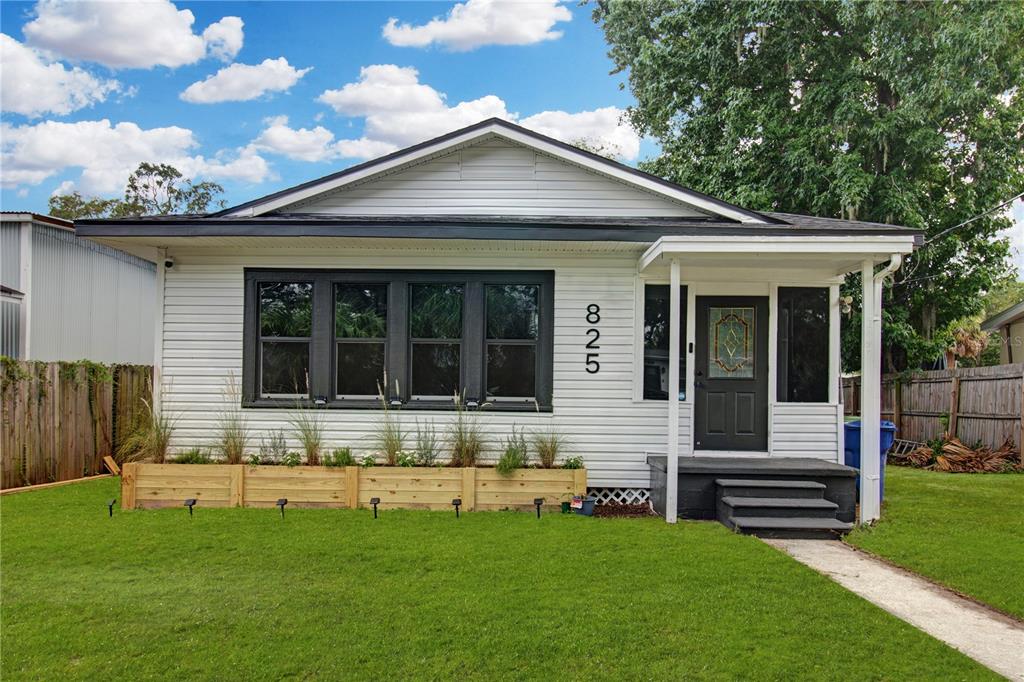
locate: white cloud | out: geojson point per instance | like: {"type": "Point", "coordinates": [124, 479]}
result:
{"type": "Point", "coordinates": [107, 154]}
{"type": "Point", "coordinates": [399, 110]}
{"type": "Point", "coordinates": [242, 82]}
{"type": "Point", "coordinates": [224, 38]}
{"type": "Point", "coordinates": [129, 34]}
{"type": "Point", "coordinates": [600, 127]}
{"type": "Point", "coordinates": [317, 144]}
{"type": "Point", "coordinates": [32, 86]}
{"type": "Point", "coordinates": [1015, 235]}
{"type": "Point", "coordinates": [475, 23]}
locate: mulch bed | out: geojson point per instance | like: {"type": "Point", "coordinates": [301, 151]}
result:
{"type": "Point", "coordinates": [623, 510]}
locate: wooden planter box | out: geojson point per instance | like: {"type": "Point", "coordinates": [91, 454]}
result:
{"type": "Point", "coordinates": [240, 485]}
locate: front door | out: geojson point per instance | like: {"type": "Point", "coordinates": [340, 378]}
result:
{"type": "Point", "coordinates": [731, 373]}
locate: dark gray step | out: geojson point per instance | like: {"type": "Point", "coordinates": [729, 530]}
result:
{"type": "Point", "coordinates": [739, 487]}
{"type": "Point", "coordinates": [777, 507]}
{"type": "Point", "coordinates": [788, 528]}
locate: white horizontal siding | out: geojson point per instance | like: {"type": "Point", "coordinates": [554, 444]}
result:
{"type": "Point", "coordinates": [493, 178]}
{"type": "Point", "coordinates": [202, 348]}
{"type": "Point", "coordinates": [807, 430]}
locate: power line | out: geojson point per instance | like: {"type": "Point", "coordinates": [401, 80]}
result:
{"type": "Point", "coordinates": [971, 220]}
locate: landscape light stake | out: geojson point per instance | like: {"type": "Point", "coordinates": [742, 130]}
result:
{"type": "Point", "coordinates": [538, 501]}
{"type": "Point", "coordinates": [456, 503]}
{"type": "Point", "coordinates": [281, 503]}
{"type": "Point", "coordinates": [374, 501]}
{"type": "Point", "coordinates": [110, 506]}
{"type": "Point", "coordinates": [190, 502]}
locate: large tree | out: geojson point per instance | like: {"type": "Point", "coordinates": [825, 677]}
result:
{"type": "Point", "coordinates": [909, 113]}
{"type": "Point", "coordinates": [152, 189]}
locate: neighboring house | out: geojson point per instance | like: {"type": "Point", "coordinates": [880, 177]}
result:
{"type": "Point", "coordinates": [68, 298]}
{"type": "Point", "coordinates": [1009, 325]}
{"type": "Point", "coordinates": [532, 276]}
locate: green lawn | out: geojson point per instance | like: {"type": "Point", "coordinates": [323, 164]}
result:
{"type": "Point", "coordinates": [328, 594]}
{"type": "Point", "coordinates": [965, 531]}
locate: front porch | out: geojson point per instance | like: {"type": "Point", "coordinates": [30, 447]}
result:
{"type": "Point", "coordinates": [766, 496]}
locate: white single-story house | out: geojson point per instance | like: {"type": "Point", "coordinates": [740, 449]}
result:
{"type": "Point", "coordinates": [63, 297]}
{"type": "Point", "coordinates": [560, 289]}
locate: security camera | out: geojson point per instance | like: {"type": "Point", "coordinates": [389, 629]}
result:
{"type": "Point", "coordinates": [168, 262]}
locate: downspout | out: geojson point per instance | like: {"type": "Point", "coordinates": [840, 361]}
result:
{"type": "Point", "coordinates": [895, 260]}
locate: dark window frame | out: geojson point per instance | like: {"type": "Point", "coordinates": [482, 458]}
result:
{"type": "Point", "coordinates": [498, 341]}
{"type": "Point", "coordinates": [683, 331]}
{"type": "Point", "coordinates": [261, 340]}
{"type": "Point", "coordinates": [354, 340]}
{"type": "Point", "coordinates": [398, 346]}
{"type": "Point", "coordinates": [785, 353]}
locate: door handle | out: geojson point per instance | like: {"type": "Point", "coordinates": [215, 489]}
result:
{"type": "Point", "coordinates": [700, 373]}
{"type": "Point", "coordinates": [700, 384]}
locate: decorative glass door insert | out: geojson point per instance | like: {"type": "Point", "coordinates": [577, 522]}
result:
{"type": "Point", "coordinates": [731, 351]}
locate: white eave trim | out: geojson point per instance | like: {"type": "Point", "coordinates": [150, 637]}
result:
{"type": "Point", "coordinates": [596, 165]}
{"type": "Point", "coordinates": [868, 245]}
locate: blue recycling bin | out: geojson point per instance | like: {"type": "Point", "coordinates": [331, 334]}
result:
{"type": "Point", "coordinates": [851, 448]}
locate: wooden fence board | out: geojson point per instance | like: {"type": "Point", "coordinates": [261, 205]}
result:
{"type": "Point", "coordinates": [978, 404]}
{"type": "Point", "coordinates": [60, 419]}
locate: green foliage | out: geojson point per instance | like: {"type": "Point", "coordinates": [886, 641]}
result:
{"type": "Point", "coordinates": [878, 111]}
{"type": "Point", "coordinates": [308, 427]}
{"type": "Point", "coordinates": [273, 448]}
{"type": "Point", "coordinates": [406, 459]}
{"type": "Point", "coordinates": [549, 444]}
{"type": "Point", "coordinates": [148, 438]}
{"type": "Point", "coordinates": [516, 454]}
{"type": "Point", "coordinates": [153, 189]}
{"type": "Point", "coordinates": [389, 438]}
{"type": "Point", "coordinates": [291, 459]}
{"type": "Point", "coordinates": [428, 445]}
{"type": "Point", "coordinates": [195, 455]}
{"type": "Point", "coordinates": [232, 424]}
{"type": "Point", "coordinates": [340, 457]}
{"type": "Point", "coordinates": [95, 372]}
{"type": "Point", "coordinates": [465, 435]}
{"type": "Point", "coordinates": [367, 462]}
{"type": "Point", "coordinates": [573, 463]}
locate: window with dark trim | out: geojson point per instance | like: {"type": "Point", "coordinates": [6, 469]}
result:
{"type": "Point", "coordinates": [656, 330]}
{"type": "Point", "coordinates": [803, 341]}
{"type": "Point", "coordinates": [338, 337]}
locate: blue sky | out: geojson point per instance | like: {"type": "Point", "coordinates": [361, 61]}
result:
{"type": "Point", "coordinates": [555, 73]}
{"type": "Point", "coordinates": [260, 96]}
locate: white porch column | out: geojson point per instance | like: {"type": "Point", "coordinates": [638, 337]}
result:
{"type": "Point", "coordinates": [672, 473]}
{"type": "Point", "coordinates": [158, 331]}
{"type": "Point", "coordinates": [870, 395]}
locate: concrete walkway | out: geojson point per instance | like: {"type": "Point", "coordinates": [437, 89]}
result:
{"type": "Point", "coordinates": [990, 638]}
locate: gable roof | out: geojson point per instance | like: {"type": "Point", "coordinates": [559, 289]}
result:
{"type": "Point", "coordinates": [513, 133]}
{"type": "Point", "coordinates": [1008, 316]}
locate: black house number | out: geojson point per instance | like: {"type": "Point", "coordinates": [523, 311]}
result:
{"type": "Point", "coordinates": [593, 317]}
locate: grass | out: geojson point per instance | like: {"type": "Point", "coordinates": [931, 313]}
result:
{"type": "Point", "coordinates": [965, 531]}
{"type": "Point", "coordinates": [333, 594]}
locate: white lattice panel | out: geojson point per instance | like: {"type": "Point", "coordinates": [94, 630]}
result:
{"type": "Point", "coordinates": [620, 495]}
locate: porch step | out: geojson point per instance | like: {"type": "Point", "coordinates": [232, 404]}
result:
{"type": "Point", "coordinates": [774, 527]}
{"type": "Point", "coordinates": [777, 507]}
{"type": "Point", "coordinates": [742, 487]}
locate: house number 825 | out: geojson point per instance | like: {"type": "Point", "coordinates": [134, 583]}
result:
{"type": "Point", "coordinates": [593, 317]}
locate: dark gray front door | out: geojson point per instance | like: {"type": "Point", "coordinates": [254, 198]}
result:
{"type": "Point", "coordinates": [731, 373]}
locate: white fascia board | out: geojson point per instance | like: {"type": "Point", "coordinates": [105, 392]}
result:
{"type": "Point", "coordinates": [873, 244]}
{"type": "Point", "coordinates": [582, 160]}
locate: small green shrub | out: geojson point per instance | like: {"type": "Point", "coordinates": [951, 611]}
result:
{"type": "Point", "coordinates": [390, 436]}
{"type": "Point", "coordinates": [573, 463]}
{"type": "Point", "coordinates": [148, 438]}
{"type": "Point", "coordinates": [340, 457]}
{"type": "Point", "coordinates": [368, 461]}
{"type": "Point", "coordinates": [406, 459]}
{"type": "Point", "coordinates": [291, 459]}
{"type": "Point", "coordinates": [516, 454]}
{"type": "Point", "coordinates": [549, 445]}
{"type": "Point", "coordinates": [308, 427]}
{"type": "Point", "coordinates": [465, 435]}
{"type": "Point", "coordinates": [273, 448]}
{"type": "Point", "coordinates": [233, 426]}
{"type": "Point", "coordinates": [193, 456]}
{"type": "Point", "coordinates": [428, 446]}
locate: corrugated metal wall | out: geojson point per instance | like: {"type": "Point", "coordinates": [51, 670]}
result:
{"type": "Point", "coordinates": [89, 301]}
{"type": "Point", "coordinates": [10, 254]}
{"type": "Point", "coordinates": [10, 326]}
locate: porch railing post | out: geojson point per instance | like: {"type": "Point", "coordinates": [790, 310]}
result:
{"type": "Point", "coordinates": [672, 473]}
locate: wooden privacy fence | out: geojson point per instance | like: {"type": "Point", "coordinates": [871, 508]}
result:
{"type": "Point", "coordinates": [975, 404]}
{"type": "Point", "coordinates": [240, 485]}
{"type": "Point", "coordinates": [61, 418]}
